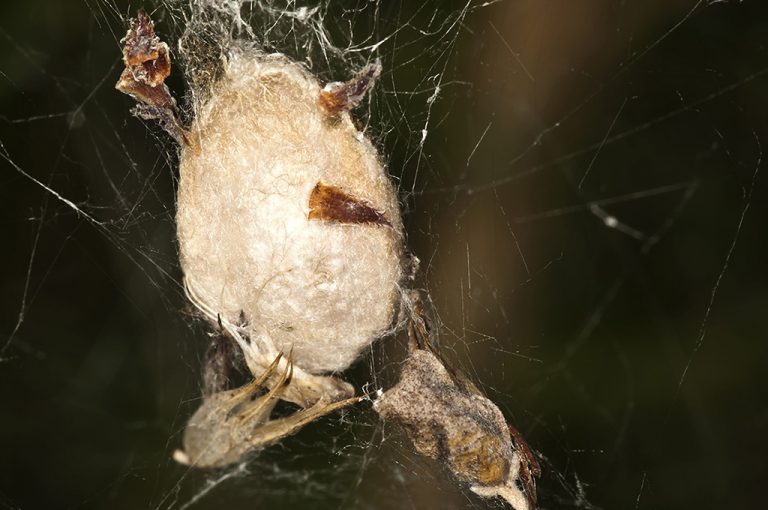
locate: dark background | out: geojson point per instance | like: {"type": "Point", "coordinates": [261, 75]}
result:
{"type": "Point", "coordinates": [631, 356]}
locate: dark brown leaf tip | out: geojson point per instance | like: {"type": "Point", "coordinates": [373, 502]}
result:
{"type": "Point", "coordinates": [529, 466]}
{"type": "Point", "coordinates": [344, 96]}
{"type": "Point", "coordinates": [331, 203]}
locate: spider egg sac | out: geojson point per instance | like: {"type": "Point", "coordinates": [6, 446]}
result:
{"type": "Point", "coordinates": [288, 224]}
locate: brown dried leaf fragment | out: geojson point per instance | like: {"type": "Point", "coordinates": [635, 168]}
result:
{"type": "Point", "coordinates": [340, 96]}
{"type": "Point", "coordinates": [447, 419]}
{"type": "Point", "coordinates": [466, 432]}
{"type": "Point", "coordinates": [144, 54]}
{"type": "Point", "coordinates": [147, 65]}
{"type": "Point", "coordinates": [331, 203]}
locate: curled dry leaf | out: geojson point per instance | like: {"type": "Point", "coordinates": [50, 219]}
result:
{"type": "Point", "coordinates": [147, 64]}
{"type": "Point", "coordinates": [448, 419]}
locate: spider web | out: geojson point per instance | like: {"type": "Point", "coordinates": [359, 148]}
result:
{"type": "Point", "coordinates": [579, 180]}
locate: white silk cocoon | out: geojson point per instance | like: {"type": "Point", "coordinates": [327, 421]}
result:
{"type": "Point", "coordinates": [259, 145]}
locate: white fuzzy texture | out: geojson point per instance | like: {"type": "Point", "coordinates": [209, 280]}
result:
{"type": "Point", "coordinates": [259, 145]}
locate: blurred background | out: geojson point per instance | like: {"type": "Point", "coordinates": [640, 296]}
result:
{"type": "Point", "coordinates": [582, 181]}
